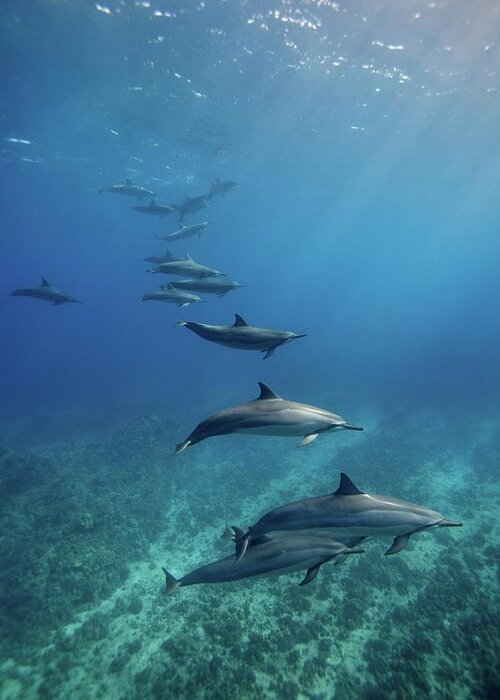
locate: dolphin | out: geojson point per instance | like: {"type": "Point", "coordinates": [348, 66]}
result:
{"type": "Point", "coordinates": [187, 267]}
{"type": "Point", "coordinates": [219, 188]}
{"type": "Point", "coordinates": [269, 414]}
{"type": "Point", "coordinates": [153, 208]}
{"type": "Point", "coordinates": [241, 336]}
{"type": "Point", "coordinates": [160, 259]}
{"type": "Point", "coordinates": [190, 205]}
{"type": "Point", "coordinates": [209, 285]}
{"type": "Point", "coordinates": [46, 293]}
{"type": "Point", "coordinates": [268, 557]}
{"type": "Point", "coordinates": [128, 188]}
{"type": "Point", "coordinates": [348, 512]}
{"type": "Point", "coordinates": [172, 296]}
{"type": "Point", "coordinates": [184, 232]}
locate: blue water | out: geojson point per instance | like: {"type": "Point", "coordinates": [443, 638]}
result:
{"type": "Point", "coordinates": [364, 140]}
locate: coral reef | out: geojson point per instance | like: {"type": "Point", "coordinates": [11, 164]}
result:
{"type": "Point", "coordinates": [86, 527]}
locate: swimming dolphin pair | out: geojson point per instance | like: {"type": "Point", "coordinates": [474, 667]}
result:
{"type": "Point", "coordinates": [348, 512]}
{"type": "Point", "coordinates": [45, 292]}
{"type": "Point", "coordinates": [184, 232]}
{"type": "Point", "coordinates": [154, 208]}
{"type": "Point", "coordinates": [241, 336]}
{"type": "Point", "coordinates": [268, 557]}
{"type": "Point", "coordinates": [187, 267]}
{"type": "Point", "coordinates": [269, 414]}
{"type": "Point", "coordinates": [208, 285]}
{"type": "Point", "coordinates": [128, 188]}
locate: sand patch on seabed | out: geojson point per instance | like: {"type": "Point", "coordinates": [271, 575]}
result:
{"type": "Point", "coordinates": [268, 638]}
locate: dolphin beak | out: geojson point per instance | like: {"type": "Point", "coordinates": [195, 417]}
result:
{"type": "Point", "coordinates": [450, 523]}
{"type": "Point", "coordinates": [350, 427]}
{"type": "Point", "coordinates": [299, 335]}
{"type": "Point", "coordinates": [182, 446]}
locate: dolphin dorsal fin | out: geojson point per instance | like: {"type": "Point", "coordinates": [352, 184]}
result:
{"type": "Point", "coordinates": [45, 283]}
{"type": "Point", "coordinates": [266, 392]}
{"type": "Point", "coordinates": [168, 254]}
{"type": "Point", "coordinates": [128, 181]}
{"type": "Point", "coordinates": [188, 257]}
{"type": "Point", "coordinates": [152, 203]}
{"type": "Point", "coordinates": [346, 487]}
{"type": "Point", "coordinates": [239, 321]}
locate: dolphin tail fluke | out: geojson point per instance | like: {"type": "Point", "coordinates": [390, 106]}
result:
{"type": "Point", "coordinates": [182, 446]}
{"type": "Point", "coordinates": [351, 427]}
{"type": "Point", "coordinates": [171, 582]}
{"type": "Point", "coordinates": [398, 544]}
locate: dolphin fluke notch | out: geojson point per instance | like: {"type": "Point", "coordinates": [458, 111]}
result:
{"type": "Point", "coordinates": [171, 582]}
{"type": "Point", "coordinates": [347, 487]}
{"type": "Point", "coordinates": [266, 392]}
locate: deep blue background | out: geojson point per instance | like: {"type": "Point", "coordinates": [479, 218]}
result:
{"type": "Point", "coordinates": [367, 211]}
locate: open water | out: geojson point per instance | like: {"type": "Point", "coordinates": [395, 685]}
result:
{"type": "Point", "coordinates": [364, 140]}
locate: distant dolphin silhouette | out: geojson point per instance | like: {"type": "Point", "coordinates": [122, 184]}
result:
{"type": "Point", "coordinates": [348, 512]}
{"type": "Point", "coordinates": [188, 267]}
{"type": "Point", "coordinates": [241, 336]}
{"type": "Point", "coordinates": [45, 292]}
{"type": "Point", "coordinates": [269, 414]}
{"type": "Point", "coordinates": [128, 188]}
{"type": "Point", "coordinates": [209, 285]}
{"type": "Point", "coordinates": [266, 557]}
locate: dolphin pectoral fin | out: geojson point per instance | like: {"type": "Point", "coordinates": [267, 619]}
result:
{"type": "Point", "coordinates": [307, 439]}
{"type": "Point", "coordinates": [399, 543]}
{"type": "Point", "coordinates": [182, 446]}
{"type": "Point", "coordinates": [171, 582]}
{"type": "Point", "coordinates": [310, 575]}
{"type": "Point", "coordinates": [242, 541]}
{"type": "Point", "coordinates": [186, 303]}
{"type": "Point", "coordinates": [268, 353]}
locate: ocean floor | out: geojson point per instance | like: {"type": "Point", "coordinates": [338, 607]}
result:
{"type": "Point", "coordinates": [87, 524]}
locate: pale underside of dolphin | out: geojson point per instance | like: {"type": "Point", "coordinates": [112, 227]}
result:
{"type": "Point", "coordinates": [268, 557]}
{"type": "Point", "coordinates": [348, 512]}
{"type": "Point", "coordinates": [242, 336]}
{"type": "Point", "coordinates": [269, 414]}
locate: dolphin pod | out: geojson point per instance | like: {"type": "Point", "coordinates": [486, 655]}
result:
{"type": "Point", "coordinates": [268, 556]}
{"type": "Point", "coordinates": [241, 336]}
{"type": "Point", "coordinates": [269, 414]}
{"type": "Point", "coordinates": [347, 512]}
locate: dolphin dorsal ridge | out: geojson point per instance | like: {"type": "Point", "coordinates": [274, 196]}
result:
{"type": "Point", "coordinates": [45, 283]}
{"type": "Point", "coordinates": [239, 321]}
{"type": "Point", "coordinates": [346, 487]}
{"type": "Point", "coordinates": [266, 392]}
